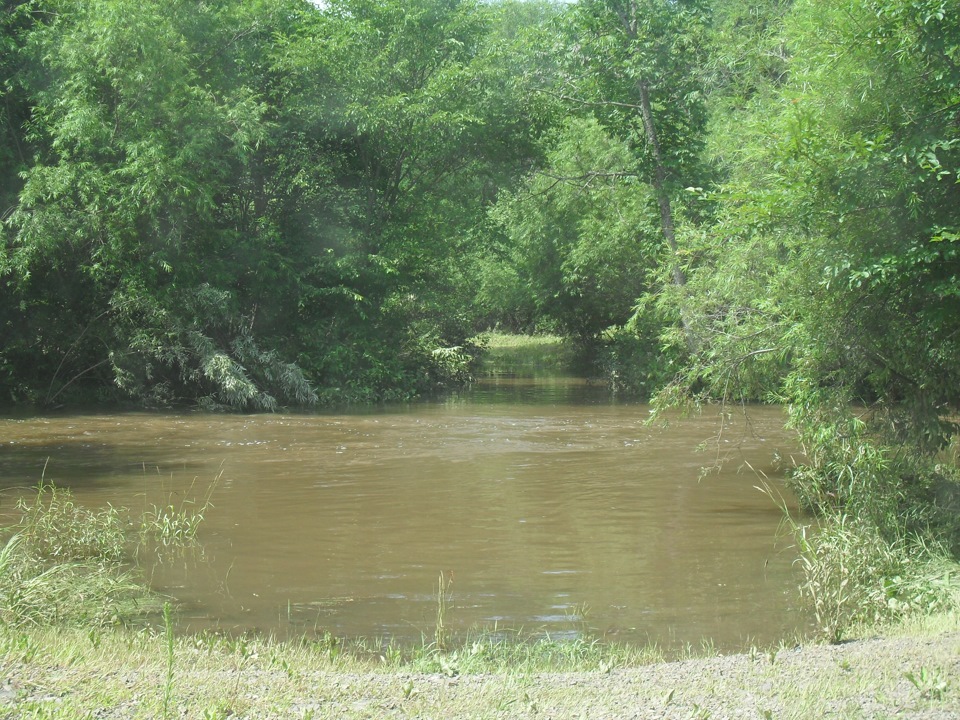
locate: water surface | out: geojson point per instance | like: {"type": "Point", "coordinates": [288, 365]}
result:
{"type": "Point", "coordinates": [546, 507]}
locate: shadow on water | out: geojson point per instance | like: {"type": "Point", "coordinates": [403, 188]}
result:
{"type": "Point", "coordinates": [79, 451]}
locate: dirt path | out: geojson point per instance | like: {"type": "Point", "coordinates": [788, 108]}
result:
{"type": "Point", "coordinates": [882, 678]}
{"type": "Point", "coordinates": [867, 679]}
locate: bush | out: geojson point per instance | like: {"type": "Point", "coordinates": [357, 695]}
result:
{"type": "Point", "coordinates": [634, 360]}
{"type": "Point", "coordinates": [853, 575]}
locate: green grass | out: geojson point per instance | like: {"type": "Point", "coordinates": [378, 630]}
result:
{"type": "Point", "coordinates": [150, 673]}
{"type": "Point", "coordinates": [173, 525]}
{"type": "Point", "coordinates": [526, 355]}
{"type": "Point", "coordinates": [64, 564]}
{"type": "Point", "coordinates": [854, 577]}
{"type": "Point", "coordinates": [493, 340]}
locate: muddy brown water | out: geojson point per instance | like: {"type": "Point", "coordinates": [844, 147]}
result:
{"type": "Point", "coordinates": [548, 509]}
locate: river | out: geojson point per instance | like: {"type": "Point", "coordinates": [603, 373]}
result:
{"type": "Point", "coordinates": [547, 507]}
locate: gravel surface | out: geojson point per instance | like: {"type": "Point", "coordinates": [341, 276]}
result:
{"type": "Point", "coordinates": [865, 679]}
{"type": "Point", "coordinates": [879, 678]}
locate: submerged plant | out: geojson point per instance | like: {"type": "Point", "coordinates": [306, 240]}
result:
{"type": "Point", "coordinates": [64, 563]}
{"type": "Point", "coordinates": [36, 588]}
{"type": "Point", "coordinates": [54, 528]}
{"type": "Point", "coordinates": [443, 590]}
{"type": "Point", "coordinates": [172, 525]}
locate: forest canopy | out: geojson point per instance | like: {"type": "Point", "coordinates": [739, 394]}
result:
{"type": "Point", "coordinates": [279, 203]}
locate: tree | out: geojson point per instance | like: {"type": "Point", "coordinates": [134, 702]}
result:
{"type": "Point", "coordinates": [419, 123]}
{"type": "Point", "coordinates": [829, 279]}
{"type": "Point", "coordinates": [252, 205]}
{"type": "Point", "coordinates": [130, 240]}
{"type": "Point", "coordinates": [638, 63]}
{"type": "Point", "coordinates": [583, 243]}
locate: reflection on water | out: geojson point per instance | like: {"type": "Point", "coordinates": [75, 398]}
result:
{"type": "Point", "coordinates": [548, 391]}
{"type": "Point", "coordinates": [550, 508]}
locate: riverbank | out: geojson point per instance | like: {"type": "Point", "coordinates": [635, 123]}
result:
{"type": "Point", "coordinates": [65, 653]}
{"type": "Point", "coordinates": [117, 673]}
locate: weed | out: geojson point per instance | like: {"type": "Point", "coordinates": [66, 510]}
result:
{"type": "Point", "coordinates": [55, 529]}
{"type": "Point", "coordinates": [67, 564]}
{"type": "Point", "coordinates": [169, 647]}
{"type": "Point", "coordinates": [531, 703]}
{"type": "Point", "coordinates": [168, 525]}
{"type": "Point", "coordinates": [931, 683]}
{"type": "Point", "coordinates": [700, 713]}
{"type": "Point", "coordinates": [441, 637]}
{"type": "Point", "coordinates": [330, 646]}
{"type": "Point", "coordinates": [172, 525]}
{"type": "Point", "coordinates": [244, 653]}
{"type": "Point", "coordinates": [853, 575]}
{"type": "Point", "coordinates": [391, 655]}
{"type": "Point", "coordinates": [449, 665]}
{"type": "Point", "coordinates": [38, 589]}
{"type": "Point", "coordinates": [281, 662]}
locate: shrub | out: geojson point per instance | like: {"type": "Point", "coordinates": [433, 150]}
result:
{"type": "Point", "coordinates": [853, 575]}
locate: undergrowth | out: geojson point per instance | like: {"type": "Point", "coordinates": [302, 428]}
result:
{"type": "Point", "coordinates": [855, 577]}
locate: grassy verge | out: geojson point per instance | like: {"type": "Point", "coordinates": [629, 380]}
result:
{"type": "Point", "coordinates": [123, 673]}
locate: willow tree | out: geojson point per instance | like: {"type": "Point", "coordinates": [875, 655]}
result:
{"type": "Point", "coordinates": [830, 281]}
{"type": "Point", "coordinates": [835, 251]}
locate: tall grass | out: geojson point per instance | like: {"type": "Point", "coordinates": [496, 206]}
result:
{"type": "Point", "coordinates": [853, 576]}
{"type": "Point", "coordinates": [56, 529]}
{"type": "Point", "coordinates": [856, 577]}
{"type": "Point", "coordinates": [173, 525]}
{"type": "Point", "coordinates": [66, 564]}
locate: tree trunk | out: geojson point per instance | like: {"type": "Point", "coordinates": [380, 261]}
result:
{"type": "Point", "coordinates": [666, 209]}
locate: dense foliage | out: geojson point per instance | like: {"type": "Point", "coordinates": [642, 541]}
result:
{"type": "Point", "coordinates": [248, 205]}
{"type": "Point", "coordinates": [279, 203]}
